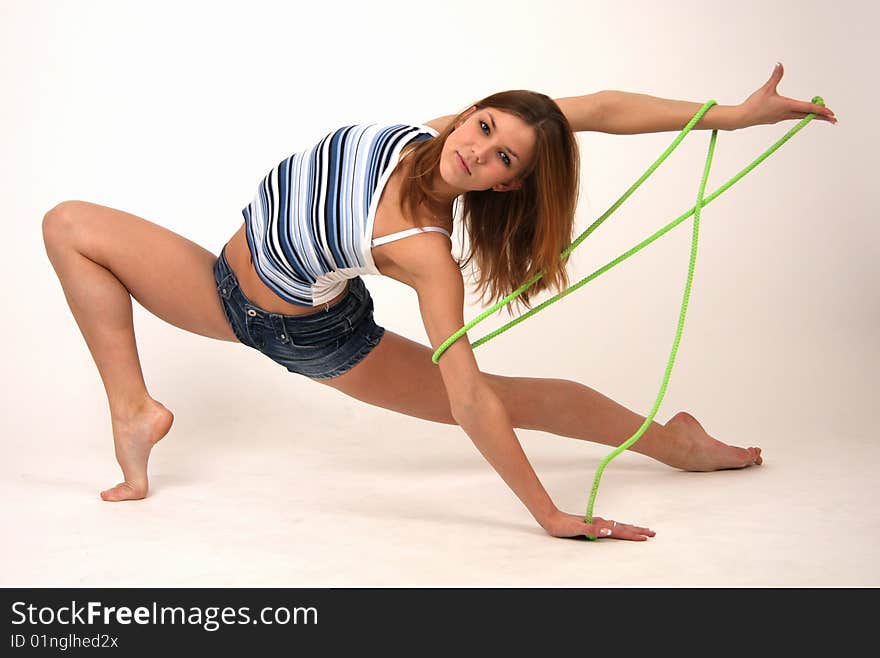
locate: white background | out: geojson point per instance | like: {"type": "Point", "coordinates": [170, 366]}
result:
{"type": "Point", "coordinates": [175, 110]}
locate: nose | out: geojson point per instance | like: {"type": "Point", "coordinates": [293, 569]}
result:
{"type": "Point", "coordinates": [480, 154]}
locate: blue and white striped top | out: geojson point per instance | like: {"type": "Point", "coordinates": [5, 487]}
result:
{"type": "Point", "coordinates": [310, 225]}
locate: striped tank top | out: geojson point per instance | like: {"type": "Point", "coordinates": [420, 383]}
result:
{"type": "Point", "coordinates": [310, 225]}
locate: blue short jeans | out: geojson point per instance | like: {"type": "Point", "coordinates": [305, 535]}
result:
{"type": "Point", "coordinates": [318, 345]}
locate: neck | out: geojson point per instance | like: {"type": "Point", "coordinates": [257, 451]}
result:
{"type": "Point", "coordinates": [444, 190]}
{"type": "Point", "coordinates": [445, 194]}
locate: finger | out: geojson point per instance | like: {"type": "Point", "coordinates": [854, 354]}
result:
{"type": "Point", "coordinates": [818, 117]}
{"type": "Point", "coordinates": [812, 108]}
{"type": "Point", "coordinates": [606, 528]}
{"type": "Point", "coordinates": [627, 532]}
{"type": "Point", "coordinates": [776, 76]}
{"type": "Point", "coordinates": [638, 529]}
{"type": "Point", "coordinates": [599, 530]}
{"type": "Point", "coordinates": [615, 530]}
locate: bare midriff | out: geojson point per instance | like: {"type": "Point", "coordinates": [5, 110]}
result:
{"type": "Point", "coordinates": [239, 256]}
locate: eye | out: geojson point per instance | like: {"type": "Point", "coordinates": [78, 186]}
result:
{"type": "Point", "coordinates": [504, 157]}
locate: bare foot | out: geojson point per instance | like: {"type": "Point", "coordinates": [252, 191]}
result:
{"type": "Point", "coordinates": [697, 451]}
{"type": "Point", "coordinates": [134, 438]}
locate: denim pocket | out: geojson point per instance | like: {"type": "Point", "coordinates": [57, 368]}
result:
{"type": "Point", "coordinates": [233, 322]}
{"type": "Point", "coordinates": [256, 328]}
{"type": "Point", "coordinates": [225, 289]}
{"type": "Point", "coordinates": [318, 338]}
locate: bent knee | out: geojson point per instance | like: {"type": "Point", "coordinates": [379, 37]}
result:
{"type": "Point", "coordinates": [62, 222]}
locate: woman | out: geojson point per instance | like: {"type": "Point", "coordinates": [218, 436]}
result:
{"type": "Point", "coordinates": [379, 200]}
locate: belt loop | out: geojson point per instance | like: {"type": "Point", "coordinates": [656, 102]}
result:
{"type": "Point", "coordinates": [227, 283]}
{"type": "Point", "coordinates": [278, 327]}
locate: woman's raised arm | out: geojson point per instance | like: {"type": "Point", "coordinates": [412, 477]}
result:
{"type": "Point", "coordinates": [626, 113]}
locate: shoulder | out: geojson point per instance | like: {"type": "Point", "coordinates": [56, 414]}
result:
{"type": "Point", "coordinates": [378, 131]}
{"type": "Point", "coordinates": [439, 124]}
{"type": "Point", "coordinates": [421, 258]}
{"type": "Point", "coordinates": [436, 277]}
{"type": "Point", "coordinates": [429, 258]}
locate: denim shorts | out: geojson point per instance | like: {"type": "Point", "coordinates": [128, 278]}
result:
{"type": "Point", "coordinates": [319, 345]}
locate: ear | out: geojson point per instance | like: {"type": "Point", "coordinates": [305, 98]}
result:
{"type": "Point", "coordinates": [510, 186]}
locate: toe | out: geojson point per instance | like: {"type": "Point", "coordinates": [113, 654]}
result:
{"type": "Point", "coordinates": [112, 494]}
{"type": "Point", "coordinates": [123, 491]}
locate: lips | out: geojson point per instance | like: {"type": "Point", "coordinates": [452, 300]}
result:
{"type": "Point", "coordinates": [462, 162]}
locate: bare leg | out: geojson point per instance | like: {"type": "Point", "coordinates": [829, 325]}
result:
{"type": "Point", "coordinates": [102, 308]}
{"type": "Point", "coordinates": [399, 375]}
{"type": "Point", "coordinates": [571, 409]}
{"type": "Point", "coordinates": [103, 257]}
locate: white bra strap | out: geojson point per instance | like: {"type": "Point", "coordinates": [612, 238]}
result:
{"type": "Point", "coordinates": [406, 233]}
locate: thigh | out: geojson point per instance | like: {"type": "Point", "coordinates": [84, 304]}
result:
{"type": "Point", "coordinates": [169, 275]}
{"type": "Point", "coordinates": [398, 374]}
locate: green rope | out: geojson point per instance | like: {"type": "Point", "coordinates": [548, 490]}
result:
{"type": "Point", "coordinates": [684, 304]}
{"type": "Point", "coordinates": [695, 210]}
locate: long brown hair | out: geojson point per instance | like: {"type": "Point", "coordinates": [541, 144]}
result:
{"type": "Point", "coordinates": [513, 235]}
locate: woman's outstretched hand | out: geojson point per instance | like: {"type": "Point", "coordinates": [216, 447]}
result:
{"type": "Point", "coordinates": [766, 106]}
{"type": "Point", "coordinates": [569, 525]}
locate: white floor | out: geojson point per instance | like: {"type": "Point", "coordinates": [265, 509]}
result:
{"type": "Point", "coordinates": [244, 495]}
{"type": "Point", "coordinates": [270, 480]}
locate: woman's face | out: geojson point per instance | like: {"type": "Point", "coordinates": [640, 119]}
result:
{"type": "Point", "coordinates": [493, 145]}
